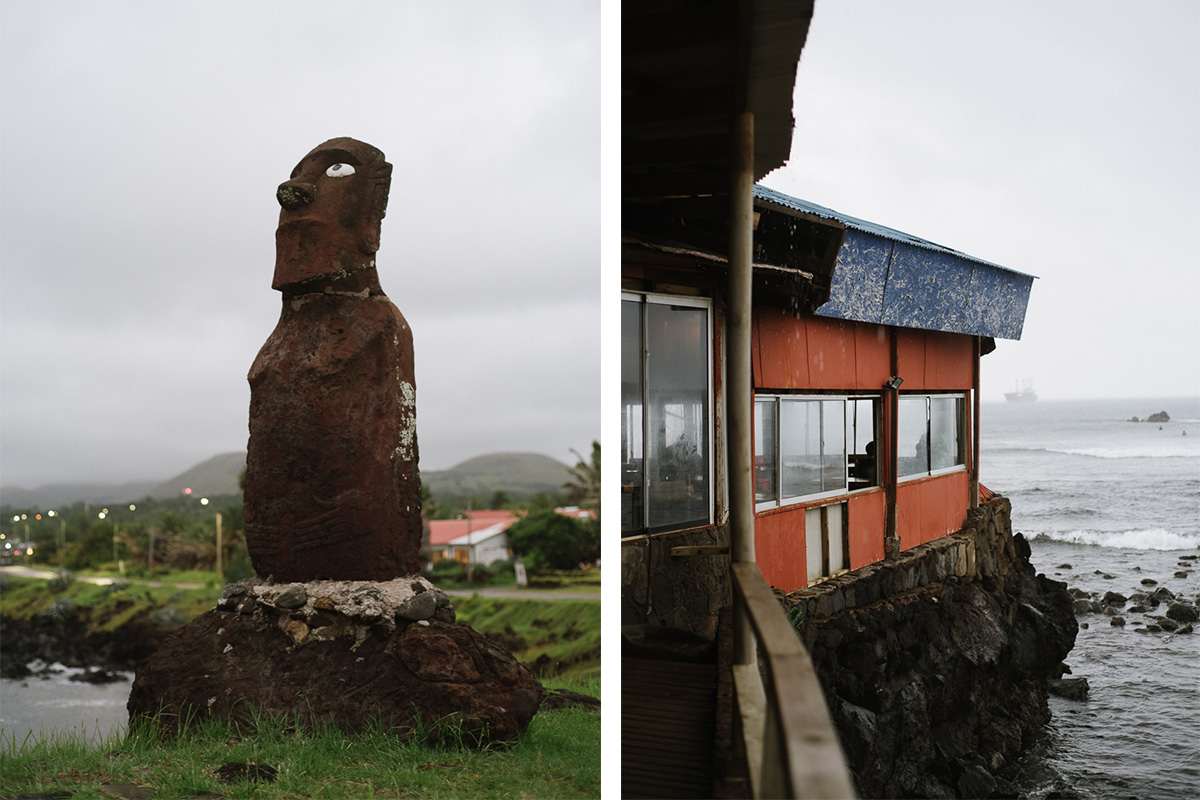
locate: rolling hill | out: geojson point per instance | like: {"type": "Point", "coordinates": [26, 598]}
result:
{"type": "Point", "coordinates": [519, 475]}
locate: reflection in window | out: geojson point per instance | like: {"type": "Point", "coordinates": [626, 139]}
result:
{"type": "Point", "coordinates": [766, 464]}
{"type": "Point", "coordinates": [665, 408]}
{"type": "Point", "coordinates": [912, 438]}
{"type": "Point", "coordinates": [799, 448]}
{"type": "Point", "coordinates": [861, 416]}
{"type": "Point", "coordinates": [931, 434]}
{"type": "Point", "coordinates": [946, 420]}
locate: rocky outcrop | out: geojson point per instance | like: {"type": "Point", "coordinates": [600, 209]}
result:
{"type": "Point", "coordinates": [73, 639]}
{"type": "Point", "coordinates": [347, 653]}
{"type": "Point", "coordinates": [1160, 416]}
{"type": "Point", "coordinates": [936, 665]}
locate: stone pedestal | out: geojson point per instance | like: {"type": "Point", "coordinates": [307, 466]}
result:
{"type": "Point", "coordinates": [344, 653]}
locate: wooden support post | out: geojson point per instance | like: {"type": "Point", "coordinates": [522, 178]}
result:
{"type": "Point", "coordinates": [739, 380]}
{"type": "Point", "coordinates": [891, 540]}
{"type": "Point", "coordinates": [974, 487]}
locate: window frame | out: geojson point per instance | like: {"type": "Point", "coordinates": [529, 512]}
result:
{"type": "Point", "coordinates": [644, 299]}
{"type": "Point", "coordinates": [777, 399]}
{"type": "Point", "coordinates": [964, 442]}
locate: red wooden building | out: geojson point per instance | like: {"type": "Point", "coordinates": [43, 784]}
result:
{"type": "Point", "coordinates": [865, 354]}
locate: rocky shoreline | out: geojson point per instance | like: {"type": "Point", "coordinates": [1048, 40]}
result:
{"type": "Point", "coordinates": [1162, 610]}
{"type": "Point", "coordinates": [937, 666]}
{"type": "Point", "coordinates": [71, 640]}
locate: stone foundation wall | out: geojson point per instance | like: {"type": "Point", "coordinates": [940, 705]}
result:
{"type": "Point", "coordinates": [935, 665]}
{"type": "Point", "coordinates": [687, 592]}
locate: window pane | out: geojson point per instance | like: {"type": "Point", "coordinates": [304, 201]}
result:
{"type": "Point", "coordinates": [676, 447]}
{"type": "Point", "coordinates": [833, 445]}
{"type": "Point", "coordinates": [765, 457]}
{"type": "Point", "coordinates": [800, 447]}
{"type": "Point", "coordinates": [860, 434]}
{"type": "Point", "coordinates": [631, 417]}
{"type": "Point", "coordinates": [912, 440]}
{"type": "Point", "coordinates": [945, 426]}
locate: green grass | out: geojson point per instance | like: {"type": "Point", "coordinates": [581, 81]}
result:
{"type": "Point", "coordinates": [558, 756]}
{"type": "Point", "coordinates": [105, 608]}
{"type": "Point", "coordinates": [564, 634]}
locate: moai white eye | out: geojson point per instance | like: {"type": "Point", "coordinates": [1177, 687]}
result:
{"type": "Point", "coordinates": [339, 171]}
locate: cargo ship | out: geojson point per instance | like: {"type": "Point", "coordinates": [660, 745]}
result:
{"type": "Point", "coordinates": [1023, 394]}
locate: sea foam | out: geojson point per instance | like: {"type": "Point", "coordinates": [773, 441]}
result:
{"type": "Point", "coordinates": [1149, 539]}
{"type": "Point", "coordinates": [1180, 451]}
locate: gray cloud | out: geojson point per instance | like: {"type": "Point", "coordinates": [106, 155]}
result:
{"type": "Point", "coordinates": [140, 147]}
{"type": "Point", "coordinates": [1059, 139]}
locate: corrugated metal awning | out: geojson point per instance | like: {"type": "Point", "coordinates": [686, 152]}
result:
{"type": "Point", "coordinates": [889, 277]}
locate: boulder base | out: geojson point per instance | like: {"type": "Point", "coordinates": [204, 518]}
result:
{"type": "Point", "coordinates": [345, 657]}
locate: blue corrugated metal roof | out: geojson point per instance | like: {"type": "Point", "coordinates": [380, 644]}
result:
{"type": "Point", "coordinates": [771, 196]}
{"type": "Point", "coordinates": [889, 277]}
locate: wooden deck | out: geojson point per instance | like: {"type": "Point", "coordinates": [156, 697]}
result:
{"type": "Point", "coordinates": [668, 711]}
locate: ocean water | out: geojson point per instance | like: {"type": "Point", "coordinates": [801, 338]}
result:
{"type": "Point", "coordinates": [51, 704]}
{"type": "Point", "coordinates": [1110, 505]}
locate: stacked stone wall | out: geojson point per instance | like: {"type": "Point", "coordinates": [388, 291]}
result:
{"type": "Point", "coordinates": [936, 664]}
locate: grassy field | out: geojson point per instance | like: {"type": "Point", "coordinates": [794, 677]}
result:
{"type": "Point", "coordinates": [556, 637]}
{"type": "Point", "coordinates": [573, 582]}
{"type": "Point", "coordinates": [557, 756]}
{"type": "Point", "coordinates": [105, 608]}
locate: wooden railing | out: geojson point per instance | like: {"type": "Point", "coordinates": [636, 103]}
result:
{"type": "Point", "coordinates": [792, 749]}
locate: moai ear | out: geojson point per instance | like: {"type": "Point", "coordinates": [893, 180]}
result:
{"type": "Point", "coordinates": [379, 184]}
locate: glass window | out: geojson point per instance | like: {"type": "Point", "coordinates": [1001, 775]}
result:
{"type": "Point", "coordinates": [665, 388]}
{"type": "Point", "coordinates": [931, 434]}
{"type": "Point", "coordinates": [946, 419]}
{"type": "Point", "coordinates": [861, 416]}
{"type": "Point", "coordinates": [766, 462]}
{"type": "Point", "coordinates": [912, 439]}
{"type": "Point", "coordinates": [800, 448]}
{"type": "Point", "coordinates": [632, 488]}
{"type": "Point", "coordinates": [833, 445]}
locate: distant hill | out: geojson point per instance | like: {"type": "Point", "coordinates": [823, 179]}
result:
{"type": "Point", "coordinates": [217, 475]}
{"type": "Point", "coordinates": [517, 474]}
{"type": "Point", "coordinates": [66, 494]}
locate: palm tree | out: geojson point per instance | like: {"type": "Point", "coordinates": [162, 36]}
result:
{"type": "Point", "coordinates": [584, 487]}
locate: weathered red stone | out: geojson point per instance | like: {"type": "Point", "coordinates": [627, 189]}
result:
{"type": "Point", "coordinates": [434, 676]}
{"type": "Point", "coordinates": [332, 489]}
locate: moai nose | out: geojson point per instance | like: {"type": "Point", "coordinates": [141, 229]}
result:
{"type": "Point", "coordinates": [292, 195]}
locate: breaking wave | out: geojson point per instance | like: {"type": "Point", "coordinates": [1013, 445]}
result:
{"type": "Point", "coordinates": [1172, 451]}
{"type": "Point", "coordinates": [1149, 539]}
{"type": "Point", "coordinates": [1178, 451]}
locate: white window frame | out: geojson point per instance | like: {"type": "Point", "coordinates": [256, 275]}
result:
{"type": "Point", "coordinates": [643, 299]}
{"type": "Point", "coordinates": [779, 399]}
{"type": "Point", "coordinates": [963, 438]}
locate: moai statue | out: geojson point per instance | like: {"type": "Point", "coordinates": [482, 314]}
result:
{"type": "Point", "coordinates": [332, 489]}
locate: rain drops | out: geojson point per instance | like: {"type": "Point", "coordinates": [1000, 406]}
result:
{"type": "Point", "coordinates": [339, 170]}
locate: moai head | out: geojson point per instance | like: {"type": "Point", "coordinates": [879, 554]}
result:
{"type": "Point", "coordinates": [332, 208]}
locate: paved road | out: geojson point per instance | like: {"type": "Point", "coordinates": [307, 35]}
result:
{"type": "Point", "coordinates": [489, 591]}
{"type": "Point", "coordinates": [45, 574]}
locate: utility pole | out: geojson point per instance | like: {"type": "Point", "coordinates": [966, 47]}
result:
{"type": "Point", "coordinates": [219, 570]}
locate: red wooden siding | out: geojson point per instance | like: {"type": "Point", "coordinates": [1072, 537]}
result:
{"type": "Point", "coordinates": [779, 548]}
{"type": "Point", "coordinates": [867, 524]}
{"type": "Point", "coordinates": [930, 360]}
{"type": "Point", "coordinates": [818, 353]}
{"type": "Point", "coordinates": [929, 508]}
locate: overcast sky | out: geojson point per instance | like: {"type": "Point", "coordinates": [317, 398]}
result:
{"type": "Point", "coordinates": [1060, 139]}
{"type": "Point", "coordinates": [140, 147]}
